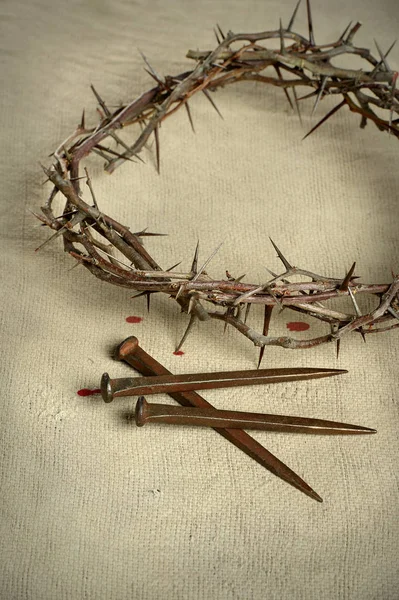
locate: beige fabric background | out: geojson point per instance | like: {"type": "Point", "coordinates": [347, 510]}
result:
{"type": "Point", "coordinates": [92, 507]}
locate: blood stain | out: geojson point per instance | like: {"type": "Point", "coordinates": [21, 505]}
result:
{"type": "Point", "coordinates": [87, 392]}
{"type": "Point", "coordinates": [297, 326]}
{"type": "Point", "coordinates": [134, 319]}
{"type": "Point", "coordinates": [178, 353]}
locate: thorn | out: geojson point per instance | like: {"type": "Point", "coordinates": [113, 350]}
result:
{"type": "Point", "coordinates": [355, 304]}
{"type": "Point", "coordinates": [277, 301]}
{"type": "Point", "coordinates": [266, 322]}
{"type": "Point", "coordinates": [46, 170]}
{"type": "Point", "coordinates": [100, 101]}
{"type": "Point", "coordinates": [382, 61]}
{"type": "Point", "coordinates": [194, 264]}
{"type": "Point", "coordinates": [261, 353]}
{"type": "Point", "coordinates": [358, 313]}
{"type": "Point", "coordinates": [274, 275]}
{"type": "Point", "coordinates": [334, 331]}
{"type": "Point", "coordinates": [207, 95]}
{"type": "Point", "coordinates": [39, 217]}
{"type": "Point", "coordinates": [180, 291]}
{"type": "Point", "coordinates": [346, 281]}
{"type": "Point", "coordinates": [298, 110]}
{"type": "Point", "coordinates": [77, 218]}
{"type": "Point", "coordinates": [89, 185]}
{"type": "Point", "coordinates": [207, 261]}
{"type": "Point", "coordinates": [278, 71]}
{"type": "Point", "coordinates": [157, 149]}
{"type": "Point", "coordinates": [324, 119]}
{"type": "Point", "coordinates": [68, 155]}
{"type": "Point", "coordinates": [79, 262]}
{"type": "Point", "coordinates": [148, 294]}
{"type": "Point", "coordinates": [291, 23]}
{"type": "Point", "coordinates": [319, 95]}
{"type": "Point", "coordinates": [193, 318]}
{"type": "Point", "coordinates": [310, 23]}
{"type": "Point", "coordinates": [220, 66]}
{"type": "Point", "coordinates": [117, 153]}
{"type": "Point", "coordinates": [101, 113]}
{"type": "Point", "coordinates": [382, 56]}
{"type": "Point", "coordinates": [282, 47]}
{"type": "Point", "coordinates": [306, 96]}
{"type": "Point", "coordinates": [50, 239]}
{"type": "Point", "coordinates": [100, 153]}
{"type": "Point", "coordinates": [145, 233]}
{"type": "Point", "coordinates": [192, 302]}
{"type": "Point", "coordinates": [341, 39]}
{"type": "Point", "coordinates": [393, 312]}
{"type": "Point", "coordinates": [189, 116]}
{"type": "Point", "coordinates": [160, 83]}
{"type": "Point", "coordinates": [118, 140]}
{"type": "Point", "coordinates": [217, 37]}
{"type": "Point", "coordinates": [281, 256]}
{"type": "Point", "coordinates": [82, 121]}
{"type": "Point", "coordinates": [221, 32]}
{"type": "Point", "coordinates": [151, 70]}
{"type": "Point", "coordinates": [174, 266]}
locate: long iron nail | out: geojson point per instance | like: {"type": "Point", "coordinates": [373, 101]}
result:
{"type": "Point", "coordinates": [137, 386]}
{"type": "Point", "coordinates": [233, 419]}
{"type": "Point", "coordinates": [135, 356]}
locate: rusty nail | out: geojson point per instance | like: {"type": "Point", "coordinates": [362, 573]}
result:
{"type": "Point", "coordinates": [131, 352]}
{"type": "Point", "coordinates": [137, 386]}
{"type": "Point", "coordinates": [233, 419]}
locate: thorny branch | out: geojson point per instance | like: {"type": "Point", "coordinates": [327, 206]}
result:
{"type": "Point", "coordinates": [92, 237]}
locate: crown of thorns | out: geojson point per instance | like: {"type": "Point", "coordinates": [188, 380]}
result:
{"type": "Point", "coordinates": [111, 252]}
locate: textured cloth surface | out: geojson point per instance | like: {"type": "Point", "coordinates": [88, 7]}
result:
{"type": "Point", "coordinates": [91, 506]}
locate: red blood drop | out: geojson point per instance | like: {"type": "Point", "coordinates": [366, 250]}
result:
{"type": "Point", "coordinates": [134, 319]}
{"type": "Point", "coordinates": [87, 392]}
{"type": "Point", "coordinates": [297, 326]}
{"type": "Point", "coordinates": [178, 353]}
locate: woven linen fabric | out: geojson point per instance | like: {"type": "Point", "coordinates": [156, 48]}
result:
{"type": "Point", "coordinates": [94, 508]}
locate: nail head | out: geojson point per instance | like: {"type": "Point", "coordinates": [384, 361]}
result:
{"type": "Point", "coordinates": [141, 411]}
{"type": "Point", "coordinates": [128, 346]}
{"type": "Point", "coordinates": [106, 391]}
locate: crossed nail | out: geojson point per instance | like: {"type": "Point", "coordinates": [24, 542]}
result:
{"type": "Point", "coordinates": [197, 411]}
